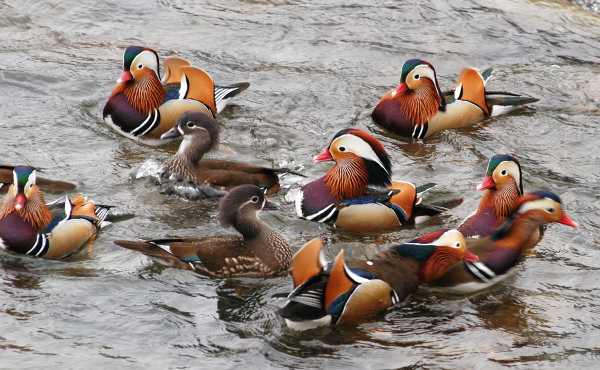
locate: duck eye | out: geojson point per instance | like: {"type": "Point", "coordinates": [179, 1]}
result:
{"type": "Point", "coordinates": [503, 172]}
{"type": "Point", "coordinates": [417, 77]}
{"type": "Point", "coordinates": [342, 148]}
{"type": "Point", "coordinates": [457, 245]}
{"type": "Point", "coordinates": [140, 66]}
{"type": "Point", "coordinates": [550, 210]}
{"type": "Point", "coordinates": [191, 124]}
{"type": "Point", "coordinates": [254, 199]}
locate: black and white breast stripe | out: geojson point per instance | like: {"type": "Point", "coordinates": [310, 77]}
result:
{"type": "Point", "coordinates": [420, 131]}
{"type": "Point", "coordinates": [480, 271]}
{"type": "Point", "coordinates": [327, 214]}
{"type": "Point", "coordinates": [40, 247]}
{"type": "Point", "coordinates": [149, 124]}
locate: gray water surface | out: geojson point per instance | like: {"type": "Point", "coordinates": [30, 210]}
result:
{"type": "Point", "coordinates": [315, 67]}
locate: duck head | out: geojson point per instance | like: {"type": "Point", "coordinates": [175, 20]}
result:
{"type": "Point", "coordinates": [419, 91]}
{"type": "Point", "coordinates": [239, 209]}
{"type": "Point", "coordinates": [503, 170]}
{"type": "Point", "coordinates": [360, 161]}
{"type": "Point", "coordinates": [200, 134]}
{"type": "Point", "coordinates": [439, 251]}
{"type": "Point", "coordinates": [25, 198]}
{"type": "Point", "coordinates": [140, 80]}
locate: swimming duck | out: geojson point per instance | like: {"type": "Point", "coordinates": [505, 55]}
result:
{"type": "Point", "coordinates": [6, 178]}
{"type": "Point", "coordinates": [55, 230]}
{"type": "Point", "coordinates": [353, 290]}
{"type": "Point", "coordinates": [201, 135]}
{"type": "Point", "coordinates": [501, 251]}
{"type": "Point", "coordinates": [357, 193]}
{"type": "Point", "coordinates": [502, 185]}
{"type": "Point", "coordinates": [141, 106]}
{"type": "Point", "coordinates": [417, 108]}
{"type": "Point", "coordinates": [258, 251]}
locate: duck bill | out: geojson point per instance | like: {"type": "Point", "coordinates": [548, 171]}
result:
{"type": "Point", "coordinates": [323, 157]}
{"type": "Point", "coordinates": [566, 220]}
{"type": "Point", "coordinates": [20, 200]}
{"type": "Point", "coordinates": [487, 183]}
{"type": "Point", "coordinates": [270, 206]}
{"type": "Point", "coordinates": [174, 132]}
{"type": "Point", "coordinates": [126, 76]}
{"type": "Point", "coordinates": [470, 257]}
{"type": "Point", "coordinates": [402, 87]}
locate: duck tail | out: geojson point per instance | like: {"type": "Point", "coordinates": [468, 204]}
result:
{"type": "Point", "coordinates": [423, 212]}
{"type": "Point", "coordinates": [224, 93]}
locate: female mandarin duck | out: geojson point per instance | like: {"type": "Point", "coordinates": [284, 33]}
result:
{"type": "Point", "coordinates": [200, 135]}
{"type": "Point", "coordinates": [259, 251]}
{"type": "Point", "coordinates": [503, 185]}
{"type": "Point", "coordinates": [56, 230]}
{"type": "Point", "coordinates": [6, 178]}
{"type": "Point", "coordinates": [500, 252]}
{"type": "Point", "coordinates": [417, 108]}
{"type": "Point", "coordinates": [356, 289]}
{"type": "Point", "coordinates": [357, 193]}
{"type": "Point", "coordinates": [142, 107]}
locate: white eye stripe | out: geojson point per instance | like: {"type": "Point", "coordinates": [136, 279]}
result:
{"type": "Point", "coordinates": [358, 146]}
{"type": "Point", "coordinates": [538, 204]}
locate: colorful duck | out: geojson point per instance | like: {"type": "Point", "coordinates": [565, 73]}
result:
{"type": "Point", "coordinates": [357, 193]}
{"type": "Point", "coordinates": [201, 135]}
{"type": "Point", "coordinates": [417, 108]}
{"type": "Point", "coordinates": [357, 289]}
{"type": "Point", "coordinates": [259, 251]}
{"type": "Point", "coordinates": [499, 253]}
{"type": "Point", "coordinates": [503, 185]}
{"type": "Point", "coordinates": [55, 230]}
{"type": "Point", "coordinates": [141, 106]}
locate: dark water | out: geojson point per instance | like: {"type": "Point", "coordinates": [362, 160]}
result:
{"type": "Point", "coordinates": [314, 67]}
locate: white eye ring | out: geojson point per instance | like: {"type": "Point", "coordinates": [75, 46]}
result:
{"type": "Point", "coordinates": [457, 245]}
{"type": "Point", "coordinates": [254, 199]}
{"type": "Point", "coordinates": [551, 210]}
{"type": "Point", "coordinates": [417, 76]}
{"type": "Point", "coordinates": [342, 148]}
{"type": "Point", "coordinates": [503, 172]}
{"type": "Point", "coordinates": [140, 66]}
{"type": "Point", "coordinates": [190, 124]}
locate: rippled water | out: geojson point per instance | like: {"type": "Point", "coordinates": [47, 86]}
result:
{"type": "Point", "coordinates": [314, 67]}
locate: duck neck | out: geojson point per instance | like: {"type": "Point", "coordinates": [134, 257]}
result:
{"type": "Point", "coordinates": [270, 247]}
{"type": "Point", "coordinates": [347, 179]}
{"type": "Point", "coordinates": [421, 104]}
{"type": "Point", "coordinates": [501, 201]}
{"type": "Point", "coordinates": [35, 212]}
{"type": "Point", "coordinates": [185, 161]}
{"type": "Point", "coordinates": [145, 94]}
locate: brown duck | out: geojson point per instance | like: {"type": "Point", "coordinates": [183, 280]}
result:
{"type": "Point", "coordinates": [258, 251]}
{"type": "Point", "coordinates": [201, 135]}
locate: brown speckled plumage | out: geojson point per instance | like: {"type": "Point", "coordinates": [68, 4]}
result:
{"type": "Point", "coordinates": [259, 251]}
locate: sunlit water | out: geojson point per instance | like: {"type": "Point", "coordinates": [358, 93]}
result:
{"type": "Point", "coordinates": [315, 67]}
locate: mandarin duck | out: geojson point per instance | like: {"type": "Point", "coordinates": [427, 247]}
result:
{"type": "Point", "coordinates": [200, 135]}
{"type": "Point", "coordinates": [55, 230]}
{"type": "Point", "coordinates": [417, 108]}
{"type": "Point", "coordinates": [502, 251]}
{"type": "Point", "coordinates": [357, 193]}
{"type": "Point", "coordinates": [353, 290]}
{"type": "Point", "coordinates": [6, 178]}
{"type": "Point", "coordinates": [143, 106]}
{"type": "Point", "coordinates": [503, 185]}
{"type": "Point", "coordinates": [258, 251]}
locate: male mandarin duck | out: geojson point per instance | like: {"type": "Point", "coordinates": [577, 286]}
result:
{"type": "Point", "coordinates": [200, 135]}
{"type": "Point", "coordinates": [417, 108]}
{"type": "Point", "coordinates": [6, 178]}
{"type": "Point", "coordinates": [357, 193]}
{"type": "Point", "coordinates": [141, 106]}
{"type": "Point", "coordinates": [503, 185]}
{"type": "Point", "coordinates": [357, 289]}
{"type": "Point", "coordinates": [501, 251]}
{"type": "Point", "coordinates": [56, 230]}
{"type": "Point", "coordinates": [258, 251]}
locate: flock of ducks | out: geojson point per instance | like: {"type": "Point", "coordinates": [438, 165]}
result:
{"type": "Point", "coordinates": [357, 193]}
